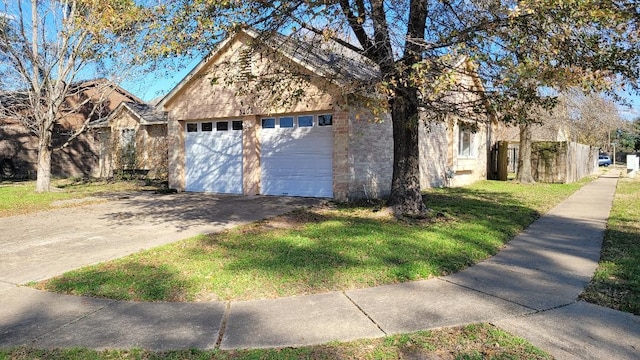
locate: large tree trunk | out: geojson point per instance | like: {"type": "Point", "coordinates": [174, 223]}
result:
{"type": "Point", "coordinates": [405, 198]}
{"type": "Point", "coordinates": [524, 156]}
{"type": "Point", "coordinates": [43, 179]}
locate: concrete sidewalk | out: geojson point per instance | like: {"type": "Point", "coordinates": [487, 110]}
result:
{"type": "Point", "coordinates": [529, 289]}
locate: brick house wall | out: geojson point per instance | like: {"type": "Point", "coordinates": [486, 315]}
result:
{"type": "Point", "coordinates": [435, 161]}
{"type": "Point", "coordinates": [370, 157]}
{"type": "Point", "coordinates": [81, 158]}
{"type": "Point", "coordinates": [19, 153]}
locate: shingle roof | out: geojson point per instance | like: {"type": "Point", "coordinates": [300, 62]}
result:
{"type": "Point", "coordinates": [326, 58]}
{"type": "Point", "coordinates": [146, 113]}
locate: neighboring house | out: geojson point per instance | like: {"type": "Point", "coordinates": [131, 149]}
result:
{"type": "Point", "coordinates": [133, 138]}
{"type": "Point", "coordinates": [245, 136]}
{"type": "Point", "coordinates": [18, 145]}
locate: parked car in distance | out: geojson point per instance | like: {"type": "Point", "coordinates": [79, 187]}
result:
{"type": "Point", "coordinates": [604, 160]}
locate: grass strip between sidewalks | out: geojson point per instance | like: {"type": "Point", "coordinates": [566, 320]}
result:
{"type": "Point", "coordinates": [476, 341]}
{"type": "Point", "coordinates": [616, 282]}
{"type": "Point", "coordinates": [324, 249]}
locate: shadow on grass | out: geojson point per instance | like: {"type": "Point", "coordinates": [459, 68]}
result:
{"type": "Point", "coordinates": [127, 281]}
{"type": "Point", "coordinates": [312, 251]}
{"type": "Point", "coordinates": [340, 248]}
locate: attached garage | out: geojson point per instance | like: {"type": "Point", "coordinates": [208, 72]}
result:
{"type": "Point", "coordinates": [213, 156]}
{"type": "Point", "coordinates": [303, 139]}
{"type": "Point", "coordinates": [296, 157]}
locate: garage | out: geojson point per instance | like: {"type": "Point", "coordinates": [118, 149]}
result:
{"type": "Point", "coordinates": [297, 155]}
{"type": "Point", "coordinates": [213, 156]}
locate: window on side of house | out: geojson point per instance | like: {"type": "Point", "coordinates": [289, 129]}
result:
{"type": "Point", "coordinates": [127, 154]}
{"type": "Point", "coordinates": [286, 122]}
{"type": "Point", "coordinates": [305, 121]}
{"type": "Point", "coordinates": [466, 143]}
{"type": "Point", "coordinates": [127, 137]}
{"type": "Point", "coordinates": [268, 123]}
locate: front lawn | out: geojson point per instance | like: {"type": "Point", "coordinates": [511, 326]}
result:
{"type": "Point", "coordinates": [20, 197]}
{"type": "Point", "coordinates": [616, 282]}
{"type": "Point", "coordinates": [324, 249]}
{"type": "Point", "coordinates": [476, 341]}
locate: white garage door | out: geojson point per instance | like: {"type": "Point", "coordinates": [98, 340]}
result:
{"type": "Point", "coordinates": [297, 155]}
{"type": "Point", "coordinates": [213, 154]}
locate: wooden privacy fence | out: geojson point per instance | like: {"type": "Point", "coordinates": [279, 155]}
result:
{"type": "Point", "coordinates": [551, 161]}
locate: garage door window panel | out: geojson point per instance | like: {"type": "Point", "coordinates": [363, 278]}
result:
{"type": "Point", "coordinates": [268, 123]}
{"type": "Point", "coordinates": [222, 126]}
{"type": "Point", "coordinates": [305, 121]}
{"type": "Point", "coordinates": [192, 127]}
{"type": "Point", "coordinates": [236, 125]}
{"type": "Point", "coordinates": [207, 126]}
{"type": "Point", "coordinates": [286, 122]}
{"type": "Point", "coordinates": [325, 120]}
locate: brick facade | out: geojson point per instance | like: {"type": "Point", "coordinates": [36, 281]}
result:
{"type": "Point", "coordinates": [370, 157]}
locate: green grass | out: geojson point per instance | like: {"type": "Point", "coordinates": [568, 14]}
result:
{"type": "Point", "coordinates": [20, 197]}
{"type": "Point", "coordinates": [318, 250]}
{"type": "Point", "coordinates": [616, 282]}
{"type": "Point", "coordinates": [478, 341]}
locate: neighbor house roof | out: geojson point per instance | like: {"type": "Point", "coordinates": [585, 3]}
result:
{"type": "Point", "coordinates": [325, 58]}
{"type": "Point", "coordinates": [22, 96]}
{"type": "Point", "coordinates": [145, 113]}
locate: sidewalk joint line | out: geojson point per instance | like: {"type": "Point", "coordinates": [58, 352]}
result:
{"type": "Point", "coordinates": [62, 326]}
{"type": "Point", "coordinates": [491, 295]}
{"type": "Point", "coordinates": [223, 325]}
{"type": "Point", "coordinates": [572, 273]}
{"type": "Point", "coordinates": [365, 313]}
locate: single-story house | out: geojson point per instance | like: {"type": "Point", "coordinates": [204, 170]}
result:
{"type": "Point", "coordinates": [93, 99]}
{"type": "Point", "coordinates": [234, 128]}
{"type": "Point", "coordinates": [133, 138]}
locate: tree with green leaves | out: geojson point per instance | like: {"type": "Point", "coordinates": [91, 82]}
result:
{"type": "Point", "coordinates": [48, 49]}
{"type": "Point", "coordinates": [519, 50]}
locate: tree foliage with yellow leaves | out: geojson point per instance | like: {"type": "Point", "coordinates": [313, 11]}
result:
{"type": "Point", "coordinates": [47, 48]}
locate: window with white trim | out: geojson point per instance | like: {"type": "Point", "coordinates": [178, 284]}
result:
{"type": "Point", "coordinates": [325, 120]}
{"type": "Point", "coordinates": [236, 125]}
{"type": "Point", "coordinates": [466, 142]}
{"type": "Point", "coordinates": [305, 120]}
{"type": "Point", "coordinates": [286, 122]}
{"type": "Point", "coordinates": [268, 123]}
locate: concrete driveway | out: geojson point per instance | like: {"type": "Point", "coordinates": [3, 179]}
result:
{"type": "Point", "coordinates": [42, 245]}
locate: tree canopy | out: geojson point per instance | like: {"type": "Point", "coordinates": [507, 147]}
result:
{"type": "Point", "coordinates": [48, 51]}
{"type": "Point", "coordinates": [517, 48]}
